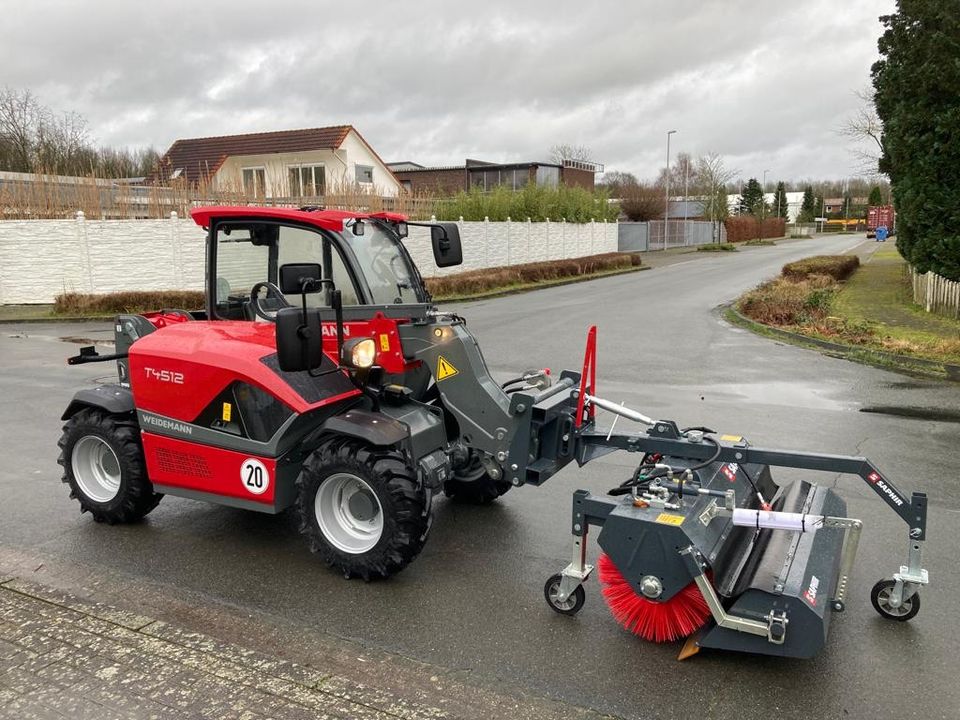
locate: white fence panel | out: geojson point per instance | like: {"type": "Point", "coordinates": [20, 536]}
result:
{"type": "Point", "coordinates": [39, 259]}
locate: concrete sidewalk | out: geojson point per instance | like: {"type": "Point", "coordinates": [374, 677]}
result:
{"type": "Point", "coordinates": [64, 657]}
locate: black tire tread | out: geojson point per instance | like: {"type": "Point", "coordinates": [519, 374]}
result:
{"type": "Point", "coordinates": [136, 497]}
{"type": "Point", "coordinates": [407, 512]}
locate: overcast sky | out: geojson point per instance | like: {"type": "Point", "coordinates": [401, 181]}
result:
{"type": "Point", "coordinates": [765, 84]}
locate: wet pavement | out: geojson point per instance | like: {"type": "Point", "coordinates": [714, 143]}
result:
{"type": "Point", "coordinates": [471, 605]}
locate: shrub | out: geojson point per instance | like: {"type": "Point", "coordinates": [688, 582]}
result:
{"type": "Point", "coordinates": [721, 247]}
{"type": "Point", "coordinates": [535, 202]}
{"type": "Point", "coordinates": [476, 282]}
{"type": "Point", "coordinates": [838, 267]}
{"type": "Point", "coordinates": [642, 202]}
{"type": "Point", "coordinates": [81, 304]}
{"type": "Point", "coordinates": [748, 227]}
{"type": "Point", "coordinates": [785, 302]}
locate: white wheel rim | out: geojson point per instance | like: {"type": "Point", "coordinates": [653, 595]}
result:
{"type": "Point", "coordinates": [96, 468]}
{"type": "Point", "coordinates": [349, 513]}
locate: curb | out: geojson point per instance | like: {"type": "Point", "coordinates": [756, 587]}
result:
{"type": "Point", "coordinates": [51, 320]}
{"type": "Point", "coordinates": [868, 356]}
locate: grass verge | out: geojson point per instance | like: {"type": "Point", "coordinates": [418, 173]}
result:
{"type": "Point", "coordinates": [864, 311]}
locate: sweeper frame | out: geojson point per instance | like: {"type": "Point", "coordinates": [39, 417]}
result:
{"type": "Point", "coordinates": [704, 494]}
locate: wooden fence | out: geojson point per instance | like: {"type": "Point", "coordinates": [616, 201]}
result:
{"type": "Point", "coordinates": [935, 293]}
{"type": "Point", "coordinates": [53, 197]}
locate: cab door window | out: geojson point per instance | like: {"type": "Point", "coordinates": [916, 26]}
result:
{"type": "Point", "coordinates": [299, 245]}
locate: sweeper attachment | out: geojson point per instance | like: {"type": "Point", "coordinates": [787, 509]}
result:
{"type": "Point", "coordinates": [700, 541]}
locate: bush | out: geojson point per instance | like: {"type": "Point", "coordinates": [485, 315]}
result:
{"type": "Point", "coordinates": [535, 202]}
{"type": "Point", "coordinates": [721, 247]}
{"type": "Point", "coordinates": [785, 302]}
{"type": "Point", "coordinates": [838, 267]}
{"type": "Point", "coordinates": [476, 282]}
{"type": "Point", "coordinates": [642, 202]}
{"type": "Point", "coordinates": [82, 304]}
{"type": "Point", "coordinates": [748, 227]}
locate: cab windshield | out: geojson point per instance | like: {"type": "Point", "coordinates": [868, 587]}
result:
{"type": "Point", "coordinates": [383, 264]}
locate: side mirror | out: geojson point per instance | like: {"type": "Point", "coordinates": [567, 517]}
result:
{"type": "Point", "coordinates": [447, 250]}
{"type": "Point", "coordinates": [299, 339]}
{"type": "Point", "coordinates": [299, 278]}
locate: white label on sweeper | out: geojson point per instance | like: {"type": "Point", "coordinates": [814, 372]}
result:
{"type": "Point", "coordinates": [776, 520]}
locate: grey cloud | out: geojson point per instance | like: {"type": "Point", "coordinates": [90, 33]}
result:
{"type": "Point", "coordinates": [765, 84]}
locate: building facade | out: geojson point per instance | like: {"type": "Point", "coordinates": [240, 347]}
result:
{"type": "Point", "coordinates": [487, 176]}
{"type": "Point", "coordinates": [288, 163]}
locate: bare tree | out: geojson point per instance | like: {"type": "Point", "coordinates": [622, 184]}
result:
{"type": "Point", "coordinates": [712, 178]}
{"type": "Point", "coordinates": [617, 183]}
{"type": "Point", "coordinates": [21, 114]}
{"type": "Point", "coordinates": [35, 139]}
{"type": "Point", "coordinates": [866, 130]}
{"type": "Point", "coordinates": [565, 151]}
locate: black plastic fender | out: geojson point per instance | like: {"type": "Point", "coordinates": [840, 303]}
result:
{"type": "Point", "coordinates": [115, 399]}
{"type": "Point", "coordinates": [372, 427]}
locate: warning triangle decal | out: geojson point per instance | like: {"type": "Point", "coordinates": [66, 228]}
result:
{"type": "Point", "coordinates": [445, 369]}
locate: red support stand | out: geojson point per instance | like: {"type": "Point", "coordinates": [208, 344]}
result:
{"type": "Point", "coordinates": [589, 371]}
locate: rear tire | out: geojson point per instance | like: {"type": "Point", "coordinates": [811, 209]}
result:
{"type": "Point", "coordinates": [102, 460]}
{"type": "Point", "coordinates": [472, 484]}
{"type": "Point", "coordinates": [362, 509]}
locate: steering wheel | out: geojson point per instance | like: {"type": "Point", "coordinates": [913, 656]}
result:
{"type": "Point", "coordinates": [271, 290]}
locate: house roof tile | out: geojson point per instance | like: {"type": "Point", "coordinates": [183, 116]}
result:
{"type": "Point", "coordinates": [200, 158]}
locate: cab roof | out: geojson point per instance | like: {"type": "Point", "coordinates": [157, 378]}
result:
{"type": "Point", "coordinates": [325, 219]}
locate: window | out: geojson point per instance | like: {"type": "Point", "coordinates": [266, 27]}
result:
{"type": "Point", "coordinates": [247, 254]}
{"type": "Point", "coordinates": [254, 181]}
{"type": "Point", "coordinates": [307, 180]}
{"type": "Point", "coordinates": [365, 174]}
{"type": "Point", "coordinates": [407, 186]}
{"type": "Point", "coordinates": [298, 245]}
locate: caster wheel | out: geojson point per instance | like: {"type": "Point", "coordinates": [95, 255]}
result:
{"type": "Point", "coordinates": [880, 598]}
{"type": "Point", "coordinates": [570, 606]}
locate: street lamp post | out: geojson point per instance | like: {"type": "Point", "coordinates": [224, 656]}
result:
{"type": "Point", "coordinates": [763, 204]}
{"type": "Point", "coordinates": [666, 201]}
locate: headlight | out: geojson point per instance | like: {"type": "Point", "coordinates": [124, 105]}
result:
{"type": "Point", "coordinates": [360, 353]}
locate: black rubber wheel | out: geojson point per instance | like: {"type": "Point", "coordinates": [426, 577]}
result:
{"type": "Point", "coordinates": [362, 509]}
{"type": "Point", "coordinates": [572, 605]}
{"type": "Point", "coordinates": [879, 596]}
{"type": "Point", "coordinates": [472, 484]}
{"type": "Point", "coordinates": [102, 460]}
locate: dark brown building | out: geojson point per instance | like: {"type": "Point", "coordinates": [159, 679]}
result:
{"type": "Point", "coordinates": [449, 180]}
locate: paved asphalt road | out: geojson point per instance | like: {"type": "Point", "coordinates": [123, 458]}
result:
{"type": "Point", "coordinates": [472, 602]}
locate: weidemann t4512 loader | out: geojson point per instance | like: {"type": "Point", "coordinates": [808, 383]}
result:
{"type": "Point", "coordinates": [321, 377]}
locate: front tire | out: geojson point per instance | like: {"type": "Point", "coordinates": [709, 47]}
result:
{"type": "Point", "coordinates": [362, 509]}
{"type": "Point", "coordinates": [102, 460]}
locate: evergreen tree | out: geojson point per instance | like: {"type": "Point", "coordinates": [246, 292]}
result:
{"type": "Point", "coordinates": [876, 197]}
{"type": "Point", "coordinates": [752, 200]}
{"type": "Point", "coordinates": [808, 210]}
{"type": "Point", "coordinates": [779, 205]}
{"type": "Point", "coordinates": [917, 83]}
